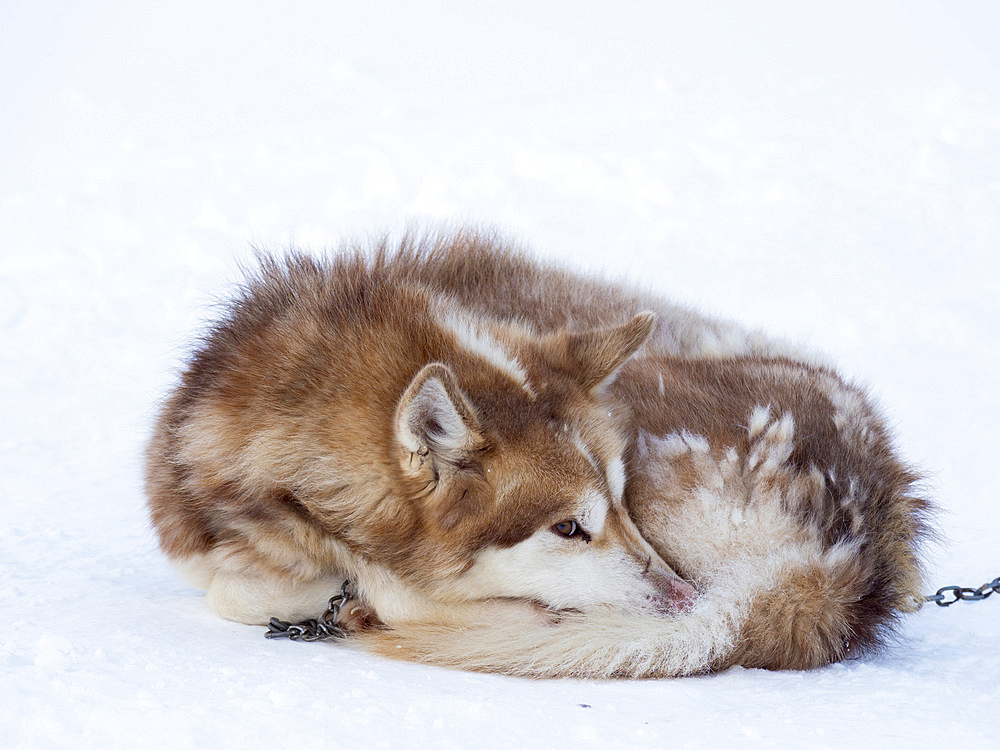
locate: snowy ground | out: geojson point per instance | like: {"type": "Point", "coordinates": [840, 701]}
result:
{"type": "Point", "coordinates": [832, 175]}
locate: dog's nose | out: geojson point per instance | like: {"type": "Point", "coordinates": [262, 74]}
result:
{"type": "Point", "coordinates": [675, 594]}
{"type": "Point", "coordinates": [682, 594]}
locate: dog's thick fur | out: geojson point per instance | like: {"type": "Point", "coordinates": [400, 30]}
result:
{"type": "Point", "coordinates": [422, 419]}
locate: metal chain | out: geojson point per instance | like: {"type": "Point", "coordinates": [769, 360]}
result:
{"type": "Point", "coordinates": [948, 595]}
{"type": "Point", "coordinates": [322, 629]}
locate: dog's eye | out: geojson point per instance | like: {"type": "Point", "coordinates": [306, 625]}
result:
{"type": "Point", "coordinates": [567, 528]}
{"type": "Point", "coordinates": [570, 529]}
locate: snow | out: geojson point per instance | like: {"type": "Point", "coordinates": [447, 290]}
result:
{"type": "Point", "coordinates": [827, 173]}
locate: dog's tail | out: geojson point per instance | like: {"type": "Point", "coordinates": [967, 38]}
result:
{"type": "Point", "coordinates": [820, 609]}
{"type": "Point", "coordinates": [577, 645]}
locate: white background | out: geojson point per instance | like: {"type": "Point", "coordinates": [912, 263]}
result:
{"type": "Point", "coordinates": [831, 174]}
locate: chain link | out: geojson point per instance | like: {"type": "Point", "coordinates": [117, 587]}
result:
{"type": "Point", "coordinates": [948, 595]}
{"type": "Point", "coordinates": [322, 629]}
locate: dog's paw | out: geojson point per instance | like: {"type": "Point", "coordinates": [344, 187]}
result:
{"type": "Point", "coordinates": [355, 615]}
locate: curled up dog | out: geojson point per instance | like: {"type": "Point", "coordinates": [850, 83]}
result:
{"type": "Point", "coordinates": [529, 472]}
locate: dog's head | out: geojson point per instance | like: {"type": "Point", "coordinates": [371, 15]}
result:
{"type": "Point", "coordinates": [521, 478]}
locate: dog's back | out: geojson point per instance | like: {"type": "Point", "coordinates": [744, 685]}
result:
{"type": "Point", "coordinates": [487, 273]}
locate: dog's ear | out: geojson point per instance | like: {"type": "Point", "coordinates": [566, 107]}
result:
{"type": "Point", "coordinates": [593, 357]}
{"type": "Point", "coordinates": [435, 426]}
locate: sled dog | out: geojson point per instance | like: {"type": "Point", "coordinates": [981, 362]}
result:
{"type": "Point", "coordinates": [528, 471]}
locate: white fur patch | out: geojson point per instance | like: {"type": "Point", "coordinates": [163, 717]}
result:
{"type": "Point", "coordinates": [774, 446]}
{"type": "Point", "coordinates": [759, 419]}
{"type": "Point", "coordinates": [593, 517]}
{"type": "Point", "coordinates": [850, 415]}
{"type": "Point", "coordinates": [582, 447]}
{"type": "Point", "coordinates": [475, 338]}
{"type": "Point", "coordinates": [614, 473]}
{"type": "Point", "coordinates": [676, 444]}
{"type": "Point", "coordinates": [616, 478]}
{"type": "Point", "coordinates": [846, 405]}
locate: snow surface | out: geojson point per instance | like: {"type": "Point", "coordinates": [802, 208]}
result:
{"type": "Point", "coordinates": [830, 173]}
